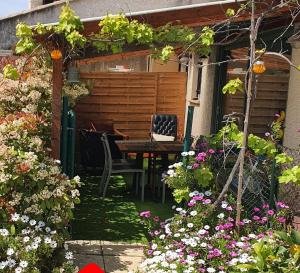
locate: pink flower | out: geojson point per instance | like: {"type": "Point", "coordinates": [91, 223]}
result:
{"type": "Point", "coordinates": [256, 209]}
{"type": "Point", "coordinates": [267, 134]}
{"type": "Point", "coordinates": [156, 219]}
{"type": "Point", "coordinates": [281, 219]}
{"type": "Point", "coordinates": [271, 212]}
{"type": "Point", "coordinates": [145, 214]}
{"type": "Point", "coordinates": [196, 165]}
{"type": "Point", "coordinates": [255, 218]}
{"type": "Point", "coordinates": [206, 201]}
{"type": "Point", "coordinates": [198, 198]}
{"type": "Point", "coordinates": [211, 151]}
{"type": "Point", "coordinates": [265, 206]}
{"type": "Point", "coordinates": [192, 203]}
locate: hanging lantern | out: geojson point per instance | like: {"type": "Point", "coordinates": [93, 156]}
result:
{"type": "Point", "coordinates": [73, 75]}
{"type": "Point", "coordinates": [56, 54]}
{"type": "Point", "coordinates": [259, 67]}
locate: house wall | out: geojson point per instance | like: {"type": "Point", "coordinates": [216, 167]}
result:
{"type": "Point", "coordinates": [292, 122]}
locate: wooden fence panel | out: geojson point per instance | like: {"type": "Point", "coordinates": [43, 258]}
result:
{"type": "Point", "coordinates": [271, 96]}
{"type": "Point", "coordinates": [129, 99]}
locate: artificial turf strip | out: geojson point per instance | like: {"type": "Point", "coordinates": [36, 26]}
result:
{"type": "Point", "coordinates": [116, 217]}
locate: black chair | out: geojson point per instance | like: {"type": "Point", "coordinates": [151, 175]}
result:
{"type": "Point", "coordinates": [164, 125]}
{"type": "Point", "coordinates": [161, 125]}
{"type": "Point", "coordinates": [92, 157]}
{"type": "Point", "coordinates": [112, 167]}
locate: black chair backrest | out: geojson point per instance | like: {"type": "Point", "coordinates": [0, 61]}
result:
{"type": "Point", "coordinates": [164, 125]}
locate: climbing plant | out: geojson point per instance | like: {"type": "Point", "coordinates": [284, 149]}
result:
{"type": "Point", "coordinates": [115, 31]}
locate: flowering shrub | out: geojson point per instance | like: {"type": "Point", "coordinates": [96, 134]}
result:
{"type": "Point", "coordinates": [74, 92]}
{"type": "Point", "coordinates": [193, 173]}
{"type": "Point", "coordinates": [36, 199]}
{"type": "Point", "coordinates": [28, 245]}
{"type": "Point", "coordinates": [202, 238]}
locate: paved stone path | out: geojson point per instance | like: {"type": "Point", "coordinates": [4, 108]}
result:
{"type": "Point", "coordinates": [111, 256]}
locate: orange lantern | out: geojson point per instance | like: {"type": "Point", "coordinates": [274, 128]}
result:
{"type": "Point", "coordinates": [259, 67]}
{"type": "Point", "coordinates": [56, 54]}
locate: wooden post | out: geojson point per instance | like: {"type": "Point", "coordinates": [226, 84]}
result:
{"type": "Point", "coordinates": [56, 107]}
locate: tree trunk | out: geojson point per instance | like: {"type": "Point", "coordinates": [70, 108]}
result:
{"type": "Point", "coordinates": [247, 114]}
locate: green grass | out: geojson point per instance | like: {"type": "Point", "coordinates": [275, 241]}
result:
{"type": "Point", "coordinates": [116, 217]}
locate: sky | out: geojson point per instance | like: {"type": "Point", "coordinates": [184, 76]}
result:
{"type": "Point", "coordinates": [8, 7]}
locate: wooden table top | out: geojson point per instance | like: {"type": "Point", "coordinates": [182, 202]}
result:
{"type": "Point", "coordinates": [147, 146]}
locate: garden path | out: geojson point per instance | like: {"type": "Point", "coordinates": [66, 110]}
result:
{"type": "Point", "coordinates": [112, 257]}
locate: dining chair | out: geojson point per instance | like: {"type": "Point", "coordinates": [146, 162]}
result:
{"type": "Point", "coordinates": [163, 127]}
{"type": "Point", "coordinates": [112, 167]}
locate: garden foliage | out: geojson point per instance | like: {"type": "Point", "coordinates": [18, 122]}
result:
{"type": "Point", "coordinates": [203, 238]}
{"type": "Point", "coordinates": [36, 199]}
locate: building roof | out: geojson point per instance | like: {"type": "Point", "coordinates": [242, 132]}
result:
{"type": "Point", "coordinates": [92, 10]}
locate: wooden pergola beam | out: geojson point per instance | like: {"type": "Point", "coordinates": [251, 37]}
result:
{"type": "Point", "coordinates": [56, 107]}
{"type": "Point", "coordinates": [113, 57]}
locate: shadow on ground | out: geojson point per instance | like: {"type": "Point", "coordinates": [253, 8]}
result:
{"type": "Point", "coordinates": [116, 217]}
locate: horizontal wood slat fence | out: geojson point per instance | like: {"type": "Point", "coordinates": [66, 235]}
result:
{"type": "Point", "coordinates": [128, 100]}
{"type": "Point", "coordinates": [271, 96]}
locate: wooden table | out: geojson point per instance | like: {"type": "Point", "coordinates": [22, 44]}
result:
{"type": "Point", "coordinates": [147, 146]}
{"type": "Point", "coordinates": [141, 147]}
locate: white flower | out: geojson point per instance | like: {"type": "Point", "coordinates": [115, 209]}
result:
{"type": "Point", "coordinates": [208, 193]}
{"type": "Point", "coordinates": [32, 222]}
{"type": "Point", "coordinates": [38, 239]}
{"type": "Point", "coordinates": [10, 251]}
{"type": "Point", "coordinates": [23, 264]}
{"type": "Point", "coordinates": [53, 244]}
{"type": "Point", "coordinates": [193, 213]}
{"type": "Point", "coordinates": [190, 225]}
{"type": "Point", "coordinates": [240, 244]}
{"type": "Point", "coordinates": [207, 227]}
{"type": "Point", "coordinates": [170, 172]}
{"type": "Point", "coordinates": [4, 232]}
{"type": "Point", "coordinates": [203, 244]}
{"type": "Point", "coordinates": [3, 264]}
{"type": "Point", "coordinates": [178, 209]}
{"type": "Point", "coordinates": [18, 270]}
{"type": "Point", "coordinates": [26, 239]}
{"type": "Point", "coordinates": [201, 261]}
{"type": "Point", "coordinates": [210, 270]}
{"type": "Point", "coordinates": [224, 205]}
{"type": "Point", "coordinates": [221, 215]}
{"type": "Point", "coordinates": [34, 245]}
{"type": "Point", "coordinates": [184, 153]}
{"type": "Point", "coordinates": [15, 217]}
{"type": "Point", "coordinates": [176, 235]}
{"type": "Point", "coordinates": [154, 246]}
{"type": "Point", "coordinates": [182, 230]}
{"type": "Point", "coordinates": [191, 153]}
{"type": "Point", "coordinates": [47, 240]}
{"type": "Point", "coordinates": [24, 218]}
{"type": "Point", "coordinates": [11, 262]}
{"type": "Point", "coordinates": [201, 231]}
{"type": "Point", "coordinates": [171, 167]}
{"type": "Point", "coordinates": [41, 224]}
{"type": "Point", "coordinates": [47, 229]}
{"type": "Point", "coordinates": [69, 255]}
{"type": "Point", "coordinates": [162, 237]}
{"type": "Point", "coordinates": [252, 236]}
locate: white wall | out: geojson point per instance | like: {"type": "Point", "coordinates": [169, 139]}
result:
{"type": "Point", "coordinates": [292, 122]}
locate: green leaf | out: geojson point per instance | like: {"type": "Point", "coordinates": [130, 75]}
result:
{"type": "Point", "coordinates": [12, 230]}
{"type": "Point", "coordinates": [10, 72]}
{"type": "Point", "coordinates": [230, 12]}
{"type": "Point", "coordinates": [233, 86]}
{"type": "Point", "coordinates": [295, 235]}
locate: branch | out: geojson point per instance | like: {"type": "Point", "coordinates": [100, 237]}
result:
{"type": "Point", "coordinates": [229, 180]}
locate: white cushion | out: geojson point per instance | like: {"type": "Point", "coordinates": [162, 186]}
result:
{"type": "Point", "coordinates": [158, 137]}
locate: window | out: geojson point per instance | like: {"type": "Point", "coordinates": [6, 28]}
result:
{"type": "Point", "coordinates": [45, 2]}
